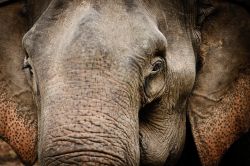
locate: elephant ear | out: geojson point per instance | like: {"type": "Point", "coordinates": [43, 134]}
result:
{"type": "Point", "coordinates": [219, 107]}
{"type": "Point", "coordinates": [18, 122]}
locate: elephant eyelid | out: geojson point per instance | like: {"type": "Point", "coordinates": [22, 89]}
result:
{"type": "Point", "coordinates": [157, 66]}
{"type": "Point", "coordinates": [160, 53]}
{"type": "Point", "coordinates": [26, 65]}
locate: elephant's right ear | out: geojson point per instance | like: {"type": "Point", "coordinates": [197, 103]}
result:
{"type": "Point", "coordinates": [18, 122]}
{"type": "Point", "coordinates": [219, 108]}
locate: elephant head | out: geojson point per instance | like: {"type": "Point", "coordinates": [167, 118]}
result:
{"type": "Point", "coordinates": [219, 107]}
{"type": "Point", "coordinates": [110, 81]}
{"type": "Point", "coordinates": [107, 82]}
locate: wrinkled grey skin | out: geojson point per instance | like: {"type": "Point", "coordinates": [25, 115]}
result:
{"type": "Point", "coordinates": [110, 80]}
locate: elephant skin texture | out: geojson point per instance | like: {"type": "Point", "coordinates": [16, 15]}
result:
{"type": "Point", "coordinates": [17, 113]}
{"type": "Point", "coordinates": [219, 108]}
{"type": "Point", "coordinates": [110, 81]}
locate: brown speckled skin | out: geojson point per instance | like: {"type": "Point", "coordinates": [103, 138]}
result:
{"type": "Point", "coordinates": [17, 115]}
{"type": "Point", "coordinates": [219, 107]}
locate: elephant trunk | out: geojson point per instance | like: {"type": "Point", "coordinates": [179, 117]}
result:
{"type": "Point", "coordinates": [91, 123]}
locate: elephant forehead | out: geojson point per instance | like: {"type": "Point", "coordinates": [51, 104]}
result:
{"type": "Point", "coordinates": [85, 27]}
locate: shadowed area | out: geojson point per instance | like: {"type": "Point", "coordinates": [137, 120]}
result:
{"type": "Point", "coordinates": [7, 156]}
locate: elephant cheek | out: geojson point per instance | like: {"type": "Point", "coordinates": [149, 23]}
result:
{"type": "Point", "coordinates": [164, 146]}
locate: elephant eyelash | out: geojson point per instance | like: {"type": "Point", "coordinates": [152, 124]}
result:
{"type": "Point", "coordinates": [26, 65]}
{"type": "Point", "coordinates": [157, 66]}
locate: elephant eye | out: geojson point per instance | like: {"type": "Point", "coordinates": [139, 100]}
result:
{"type": "Point", "coordinates": [27, 66]}
{"type": "Point", "coordinates": [157, 66]}
{"type": "Point", "coordinates": [155, 81]}
{"type": "Point", "coordinates": [30, 74]}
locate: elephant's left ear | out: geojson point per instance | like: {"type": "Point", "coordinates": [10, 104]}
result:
{"type": "Point", "coordinates": [219, 107]}
{"type": "Point", "coordinates": [18, 122]}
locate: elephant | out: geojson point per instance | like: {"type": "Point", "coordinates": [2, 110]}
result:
{"type": "Point", "coordinates": [109, 83]}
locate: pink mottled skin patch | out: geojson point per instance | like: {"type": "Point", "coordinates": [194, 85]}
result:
{"type": "Point", "coordinates": [18, 126]}
{"type": "Point", "coordinates": [20, 135]}
{"type": "Point", "coordinates": [229, 119]}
